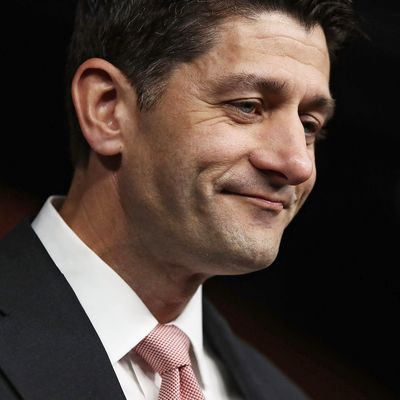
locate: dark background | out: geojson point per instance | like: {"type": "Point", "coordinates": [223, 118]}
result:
{"type": "Point", "coordinates": [327, 310]}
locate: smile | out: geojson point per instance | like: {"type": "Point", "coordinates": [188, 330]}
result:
{"type": "Point", "coordinates": [260, 201]}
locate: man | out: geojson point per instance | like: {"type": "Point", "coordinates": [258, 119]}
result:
{"type": "Point", "coordinates": [193, 128]}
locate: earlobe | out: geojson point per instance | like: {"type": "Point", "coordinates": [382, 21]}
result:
{"type": "Point", "coordinates": [96, 97]}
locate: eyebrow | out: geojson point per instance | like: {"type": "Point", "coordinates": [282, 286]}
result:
{"type": "Point", "coordinates": [243, 82]}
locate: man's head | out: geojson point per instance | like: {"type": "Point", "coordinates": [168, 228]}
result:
{"type": "Point", "coordinates": [213, 136]}
{"type": "Point", "coordinates": [147, 39]}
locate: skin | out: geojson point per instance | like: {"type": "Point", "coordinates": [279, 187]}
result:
{"type": "Point", "coordinates": [205, 182]}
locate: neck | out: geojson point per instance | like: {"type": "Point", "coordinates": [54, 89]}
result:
{"type": "Point", "coordinates": [100, 222]}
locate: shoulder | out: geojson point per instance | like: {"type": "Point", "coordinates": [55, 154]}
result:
{"type": "Point", "coordinates": [24, 265]}
{"type": "Point", "coordinates": [257, 376]}
{"type": "Point", "coordinates": [20, 249]}
{"type": "Point", "coordinates": [17, 248]}
{"type": "Point", "coordinates": [17, 243]}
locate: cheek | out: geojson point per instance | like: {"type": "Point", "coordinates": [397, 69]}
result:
{"type": "Point", "coordinates": [220, 146]}
{"type": "Point", "coordinates": [192, 166]}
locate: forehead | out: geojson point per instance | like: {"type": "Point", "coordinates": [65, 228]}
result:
{"type": "Point", "coordinates": [275, 29]}
{"type": "Point", "coordinates": [269, 44]}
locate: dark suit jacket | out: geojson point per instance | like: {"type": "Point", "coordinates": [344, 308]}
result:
{"type": "Point", "coordinates": [50, 351]}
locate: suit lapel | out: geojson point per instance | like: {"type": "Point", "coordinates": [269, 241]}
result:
{"type": "Point", "coordinates": [248, 370]}
{"type": "Point", "coordinates": [48, 347]}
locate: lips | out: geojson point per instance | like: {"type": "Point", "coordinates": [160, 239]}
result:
{"type": "Point", "coordinates": [262, 200]}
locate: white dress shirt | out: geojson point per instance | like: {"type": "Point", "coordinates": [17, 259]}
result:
{"type": "Point", "coordinates": [118, 315]}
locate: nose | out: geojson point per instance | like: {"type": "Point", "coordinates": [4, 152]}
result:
{"type": "Point", "coordinates": [282, 151]}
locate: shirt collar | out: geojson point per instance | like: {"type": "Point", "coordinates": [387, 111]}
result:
{"type": "Point", "coordinates": [118, 315]}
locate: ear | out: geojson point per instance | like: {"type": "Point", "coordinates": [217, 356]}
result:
{"type": "Point", "coordinates": [98, 93]}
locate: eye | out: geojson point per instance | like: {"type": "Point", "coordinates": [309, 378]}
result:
{"type": "Point", "coordinates": [245, 111]}
{"type": "Point", "coordinates": [312, 130]}
{"type": "Point", "coordinates": [248, 107]}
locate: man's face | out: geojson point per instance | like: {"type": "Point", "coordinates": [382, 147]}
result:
{"type": "Point", "coordinates": [213, 174]}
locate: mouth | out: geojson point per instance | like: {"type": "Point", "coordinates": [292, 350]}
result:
{"type": "Point", "coordinates": [260, 200]}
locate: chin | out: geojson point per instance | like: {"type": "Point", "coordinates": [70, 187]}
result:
{"type": "Point", "coordinates": [235, 251]}
{"type": "Point", "coordinates": [257, 263]}
{"type": "Point", "coordinates": [244, 260]}
{"type": "Point", "coordinates": [257, 252]}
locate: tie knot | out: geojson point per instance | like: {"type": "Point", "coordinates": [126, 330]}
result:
{"type": "Point", "coordinates": [165, 348]}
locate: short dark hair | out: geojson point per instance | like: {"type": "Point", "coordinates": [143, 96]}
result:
{"type": "Point", "coordinates": [147, 39]}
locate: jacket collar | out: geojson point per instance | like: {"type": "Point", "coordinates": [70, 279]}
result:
{"type": "Point", "coordinates": [40, 357]}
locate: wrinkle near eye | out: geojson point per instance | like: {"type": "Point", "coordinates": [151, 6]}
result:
{"type": "Point", "coordinates": [210, 117]}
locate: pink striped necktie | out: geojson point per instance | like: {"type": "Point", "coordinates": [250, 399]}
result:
{"type": "Point", "coordinates": [166, 350]}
